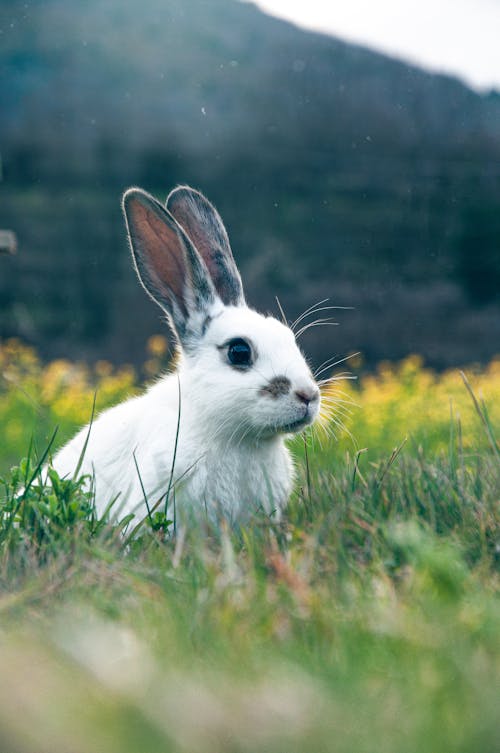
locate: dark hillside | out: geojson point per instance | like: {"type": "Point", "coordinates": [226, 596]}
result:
{"type": "Point", "coordinates": [339, 172]}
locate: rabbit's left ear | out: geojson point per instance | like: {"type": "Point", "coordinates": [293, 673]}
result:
{"type": "Point", "coordinates": [203, 225]}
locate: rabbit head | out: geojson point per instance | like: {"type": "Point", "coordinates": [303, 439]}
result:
{"type": "Point", "coordinates": [240, 369]}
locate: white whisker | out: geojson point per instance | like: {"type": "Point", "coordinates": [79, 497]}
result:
{"type": "Point", "coordinates": [323, 368]}
{"type": "Point", "coordinates": [305, 313]}
{"type": "Point", "coordinates": [316, 323]}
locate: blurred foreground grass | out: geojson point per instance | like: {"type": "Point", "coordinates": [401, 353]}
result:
{"type": "Point", "coordinates": [368, 620]}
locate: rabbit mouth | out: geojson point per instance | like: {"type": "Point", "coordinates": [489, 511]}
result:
{"type": "Point", "coordinates": [295, 426]}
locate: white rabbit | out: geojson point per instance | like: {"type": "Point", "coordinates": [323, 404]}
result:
{"type": "Point", "coordinates": [242, 381]}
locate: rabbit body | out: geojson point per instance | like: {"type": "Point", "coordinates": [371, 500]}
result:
{"type": "Point", "coordinates": [212, 432]}
{"type": "Point", "coordinates": [131, 447]}
{"type": "Point", "coordinates": [221, 479]}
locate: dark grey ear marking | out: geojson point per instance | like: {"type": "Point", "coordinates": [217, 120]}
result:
{"type": "Point", "coordinates": [280, 385]}
{"type": "Point", "coordinates": [203, 225]}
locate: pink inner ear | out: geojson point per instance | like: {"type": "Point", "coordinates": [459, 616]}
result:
{"type": "Point", "coordinates": [160, 249]}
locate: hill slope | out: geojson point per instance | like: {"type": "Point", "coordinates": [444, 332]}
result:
{"type": "Point", "coordinates": [339, 171]}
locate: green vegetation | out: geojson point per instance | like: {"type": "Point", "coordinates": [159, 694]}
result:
{"type": "Point", "coordinates": [367, 620]}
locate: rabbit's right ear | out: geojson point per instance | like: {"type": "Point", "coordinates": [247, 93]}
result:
{"type": "Point", "coordinates": [204, 226]}
{"type": "Point", "coordinates": [168, 265]}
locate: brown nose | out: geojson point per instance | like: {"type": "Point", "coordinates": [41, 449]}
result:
{"type": "Point", "coordinates": [307, 396]}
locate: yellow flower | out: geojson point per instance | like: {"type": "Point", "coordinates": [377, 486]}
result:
{"type": "Point", "coordinates": [103, 369]}
{"type": "Point", "coordinates": [157, 345]}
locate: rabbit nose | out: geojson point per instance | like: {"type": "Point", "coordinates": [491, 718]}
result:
{"type": "Point", "coordinates": [307, 396]}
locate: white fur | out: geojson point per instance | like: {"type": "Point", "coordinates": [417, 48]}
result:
{"type": "Point", "coordinates": [231, 456]}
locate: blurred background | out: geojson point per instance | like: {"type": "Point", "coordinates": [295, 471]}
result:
{"type": "Point", "coordinates": [352, 161]}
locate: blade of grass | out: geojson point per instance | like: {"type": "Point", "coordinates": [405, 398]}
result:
{"type": "Point", "coordinates": [394, 455]}
{"type": "Point", "coordinates": [356, 471]}
{"type": "Point", "coordinates": [483, 415]}
{"type": "Point", "coordinates": [171, 479]}
{"type": "Point", "coordinates": [157, 504]}
{"type": "Point", "coordinates": [10, 521]}
{"type": "Point", "coordinates": [84, 448]}
{"type": "Point", "coordinates": [308, 472]}
{"type": "Point", "coordinates": [142, 487]}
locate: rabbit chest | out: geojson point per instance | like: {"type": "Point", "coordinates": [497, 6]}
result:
{"type": "Point", "coordinates": [239, 481]}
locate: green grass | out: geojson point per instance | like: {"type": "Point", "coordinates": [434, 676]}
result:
{"type": "Point", "coordinates": [367, 620]}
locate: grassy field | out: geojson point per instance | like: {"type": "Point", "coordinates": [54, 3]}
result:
{"type": "Point", "coordinates": [367, 620]}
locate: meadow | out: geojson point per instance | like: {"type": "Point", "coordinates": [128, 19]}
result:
{"type": "Point", "coordinates": [368, 619]}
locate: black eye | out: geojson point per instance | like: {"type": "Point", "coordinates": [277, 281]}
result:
{"type": "Point", "coordinates": [239, 352]}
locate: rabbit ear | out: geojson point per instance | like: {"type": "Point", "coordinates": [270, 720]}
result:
{"type": "Point", "coordinates": [204, 226]}
{"type": "Point", "coordinates": [168, 265]}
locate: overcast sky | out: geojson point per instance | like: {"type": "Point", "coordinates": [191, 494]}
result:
{"type": "Point", "coordinates": [461, 37]}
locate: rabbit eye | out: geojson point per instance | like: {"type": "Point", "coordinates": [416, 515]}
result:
{"type": "Point", "coordinates": [239, 353]}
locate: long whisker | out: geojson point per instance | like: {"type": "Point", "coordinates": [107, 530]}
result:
{"type": "Point", "coordinates": [315, 308]}
{"type": "Point", "coordinates": [282, 313]}
{"type": "Point", "coordinates": [325, 363]}
{"type": "Point", "coordinates": [340, 404]}
{"type": "Point", "coordinates": [328, 430]}
{"type": "Point", "coordinates": [336, 391]}
{"type": "Point", "coordinates": [342, 427]}
{"type": "Point", "coordinates": [337, 410]}
{"type": "Point", "coordinates": [317, 311]}
{"type": "Point", "coordinates": [306, 312]}
{"type": "Point", "coordinates": [339, 375]}
{"type": "Point", "coordinates": [323, 368]}
{"type": "Point", "coordinates": [342, 378]}
{"type": "Point", "coordinates": [320, 320]}
{"type": "Point", "coordinates": [245, 434]}
{"type": "Point", "coordinates": [316, 323]}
